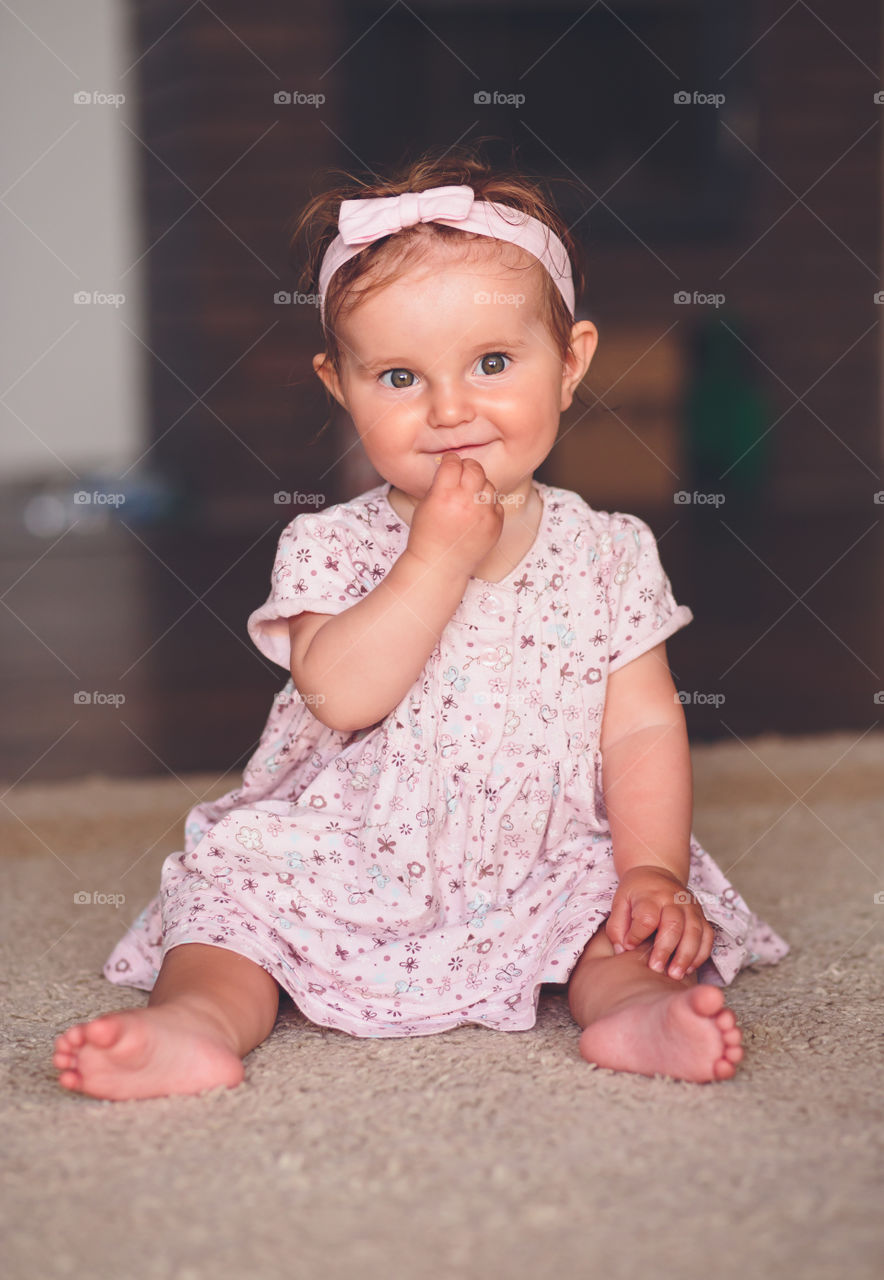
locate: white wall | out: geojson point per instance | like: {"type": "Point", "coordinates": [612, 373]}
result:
{"type": "Point", "coordinates": [71, 376]}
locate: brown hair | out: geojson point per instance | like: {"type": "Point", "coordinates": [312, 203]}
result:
{"type": "Point", "coordinates": [384, 258]}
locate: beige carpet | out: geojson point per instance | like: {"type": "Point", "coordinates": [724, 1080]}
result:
{"type": "Point", "coordinates": [472, 1153]}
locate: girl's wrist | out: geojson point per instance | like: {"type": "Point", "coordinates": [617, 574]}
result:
{"type": "Point", "coordinates": [415, 569]}
{"type": "Point", "coordinates": [655, 868]}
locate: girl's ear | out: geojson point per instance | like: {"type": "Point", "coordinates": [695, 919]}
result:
{"type": "Point", "coordinates": [584, 340]}
{"type": "Point", "coordinates": [322, 366]}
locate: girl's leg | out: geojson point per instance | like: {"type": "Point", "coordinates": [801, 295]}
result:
{"type": "Point", "coordinates": [209, 1007]}
{"type": "Point", "coordinates": [636, 1019]}
{"type": "Point", "coordinates": [238, 994]}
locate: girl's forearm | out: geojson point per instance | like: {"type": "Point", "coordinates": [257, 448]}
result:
{"type": "Point", "coordinates": [648, 790]}
{"type": "Point", "coordinates": [364, 660]}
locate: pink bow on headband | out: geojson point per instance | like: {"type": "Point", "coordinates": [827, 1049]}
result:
{"type": "Point", "coordinates": [360, 222]}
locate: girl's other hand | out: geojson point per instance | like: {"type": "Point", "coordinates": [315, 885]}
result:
{"type": "Point", "coordinates": [460, 519]}
{"type": "Point", "coordinates": [651, 898]}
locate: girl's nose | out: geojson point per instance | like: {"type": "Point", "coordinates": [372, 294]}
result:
{"type": "Point", "coordinates": [449, 405]}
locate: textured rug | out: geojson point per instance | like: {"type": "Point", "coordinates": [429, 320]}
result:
{"type": "Point", "coordinates": [472, 1153]}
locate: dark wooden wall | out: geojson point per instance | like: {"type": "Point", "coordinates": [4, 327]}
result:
{"type": "Point", "coordinates": [158, 612]}
{"type": "Point", "coordinates": [800, 277]}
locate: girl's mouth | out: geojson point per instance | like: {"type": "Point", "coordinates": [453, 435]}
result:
{"type": "Point", "coordinates": [456, 448]}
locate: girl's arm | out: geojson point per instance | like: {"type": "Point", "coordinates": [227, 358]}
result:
{"type": "Point", "coordinates": [646, 765]}
{"type": "Point", "coordinates": [648, 789]}
{"type": "Point", "coordinates": [358, 664]}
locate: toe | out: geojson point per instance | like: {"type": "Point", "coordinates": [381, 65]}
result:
{"type": "Point", "coordinates": [706, 999]}
{"type": "Point", "coordinates": [734, 1036]}
{"type": "Point", "coordinates": [61, 1059]}
{"type": "Point", "coordinates": [725, 1020]}
{"type": "Point", "coordinates": [70, 1080]}
{"type": "Point", "coordinates": [724, 1070]}
{"type": "Point", "coordinates": [104, 1031]}
{"type": "Point", "coordinates": [733, 1053]}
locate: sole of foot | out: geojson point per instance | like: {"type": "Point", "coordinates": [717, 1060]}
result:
{"type": "Point", "coordinates": [687, 1035]}
{"type": "Point", "coordinates": [144, 1053]}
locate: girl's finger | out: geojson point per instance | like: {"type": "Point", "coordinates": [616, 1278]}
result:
{"type": "Point", "coordinates": [704, 951]}
{"type": "Point", "coordinates": [670, 928]}
{"type": "Point", "coordinates": [645, 919]}
{"type": "Point", "coordinates": [688, 950]}
{"type": "Point", "coordinates": [704, 947]}
{"type": "Point", "coordinates": [669, 933]}
{"type": "Point", "coordinates": [618, 920]}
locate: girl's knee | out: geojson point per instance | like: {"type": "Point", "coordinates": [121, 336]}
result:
{"type": "Point", "coordinates": [599, 944]}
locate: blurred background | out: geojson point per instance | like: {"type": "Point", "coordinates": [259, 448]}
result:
{"type": "Point", "coordinates": [720, 164]}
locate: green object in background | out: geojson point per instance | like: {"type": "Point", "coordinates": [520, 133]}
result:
{"type": "Point", "coordinates": [726, 413]}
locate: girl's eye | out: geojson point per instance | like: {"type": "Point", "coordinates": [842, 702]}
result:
{"type": "Point", "coordinates": [396, 375]}
{"type": "Point", "coordinates": [402, 379]}
{"type": "Point", "coordinates": [493, 363]}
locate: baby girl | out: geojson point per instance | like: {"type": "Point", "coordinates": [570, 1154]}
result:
{"type": "Point", "coordinates": [477, 779]}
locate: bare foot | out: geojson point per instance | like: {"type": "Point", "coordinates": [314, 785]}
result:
{"type": "Point", "coordinates": [687, 1035]}
{"type": "Point", "coordinates": [146, 1053]}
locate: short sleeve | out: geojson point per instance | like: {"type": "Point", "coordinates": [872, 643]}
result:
{"type": "Point", "coordinates": [642, 608]}
{"type": "Point", "coordinates": [313, 572]}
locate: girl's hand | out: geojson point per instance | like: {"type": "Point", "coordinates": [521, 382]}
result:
{"type": "Point", "coordinates": [459, 520]}
{"type": "Point", "coordinates": [650, 898]}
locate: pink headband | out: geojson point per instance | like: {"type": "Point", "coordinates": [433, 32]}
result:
{"type": "Point", "coordinates": [362, 221]}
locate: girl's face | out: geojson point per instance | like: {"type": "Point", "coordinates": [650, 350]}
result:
{"type": "Point", "coordinates": [455, 354]}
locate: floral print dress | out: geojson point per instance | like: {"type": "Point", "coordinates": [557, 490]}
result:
{"type": "Point", "coordinates": [437, 867]}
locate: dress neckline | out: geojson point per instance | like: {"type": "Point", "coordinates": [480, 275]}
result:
{"type": "Point", "coordinates": [527, 558]}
